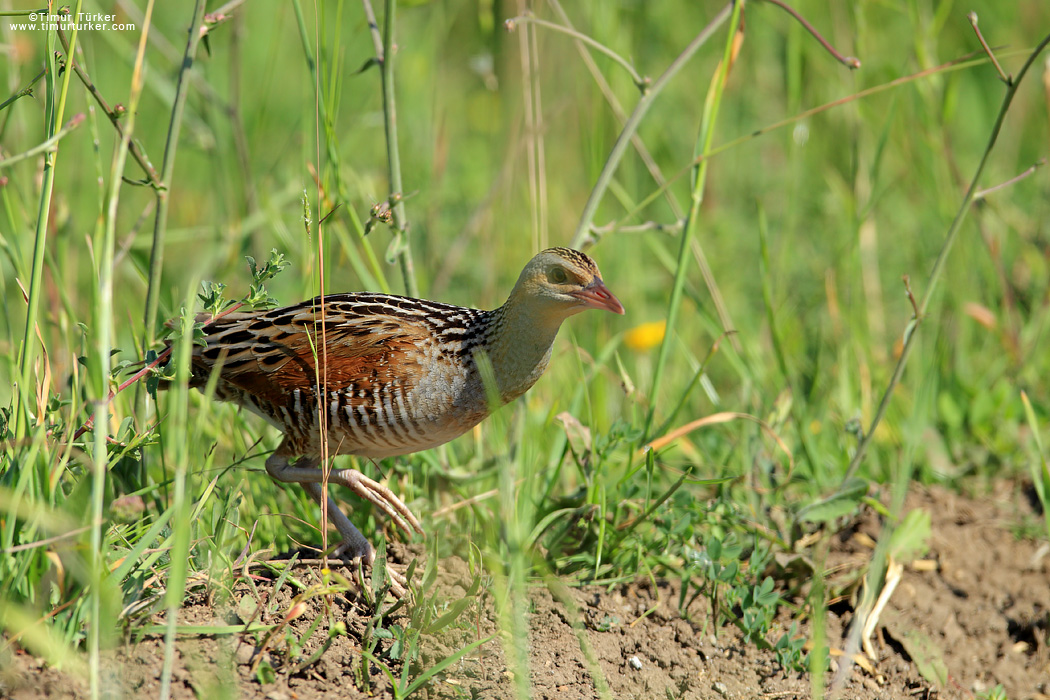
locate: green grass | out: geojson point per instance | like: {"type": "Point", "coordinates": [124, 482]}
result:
{"type": "Point", "coordinates": [795, 238]}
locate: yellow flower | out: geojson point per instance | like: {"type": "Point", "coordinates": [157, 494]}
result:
{"type": "Point", "coordinates": [645, 336]}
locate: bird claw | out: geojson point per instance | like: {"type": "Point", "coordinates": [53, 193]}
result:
{"type": "Point", "coordinates": [380, 496]}
{"type": "Point", "coordinates": [398, 581]}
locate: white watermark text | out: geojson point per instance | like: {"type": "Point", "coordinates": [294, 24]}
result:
{"type": "Point", "coordinates": [83, 22]}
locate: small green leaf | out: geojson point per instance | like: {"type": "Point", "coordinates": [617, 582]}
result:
{"type": "Point", "coordinates": [928, 657]}
{"type": "Point", "coordinates": [454, 611]}
{"type": "Point", "coordinates": [265, 673]}
{"type": "Point", "coordinates": [840, 503]}
{"type": "Point", "coordinates": [949, 411]}
{"type": "Point", "coordinates": [373, 61]}
{"type": "Point", "coordinates": [397, 246]}
{"type": "Point", "coordinates": [909, 540]}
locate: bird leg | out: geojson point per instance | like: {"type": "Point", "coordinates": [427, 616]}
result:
{"type": "Point", "coordinates": [354, 545]}
{"type": "Point", "coordinates": [368, 489]}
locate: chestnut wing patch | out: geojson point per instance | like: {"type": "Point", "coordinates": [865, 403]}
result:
{"type": "Point", "coordinates": [271, 354]}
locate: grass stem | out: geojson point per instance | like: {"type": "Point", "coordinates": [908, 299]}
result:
{"type": "Point", "coordinates": [942, 257]}
{"type": "Point", "coordinates": [54, 109]}
{"type": "Point", "coordinates": [114, 117]}
{"type": "Point", "coordinates": [582, 236]}
{"type": "Point", "coordinates": [24, 92]}
{"type": "Point", "coordinates": [50, 145]}
{"type": "Point", "coordinates": [401, 245]}
{"type": "Point", "coordinates": [639, 81]}
{"type": "Point", "coordinates": [160, 222]}
{"type": "Point", "coordinates": [104, 344]}
{"type": "Point", "coordinates": [706, 135]}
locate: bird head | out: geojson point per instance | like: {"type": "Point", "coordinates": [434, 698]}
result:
{"type": "Point", "coordinates": [563, 282]}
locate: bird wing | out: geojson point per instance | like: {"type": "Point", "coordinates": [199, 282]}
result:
{"type": "Point", "coordinates": [269, 354]}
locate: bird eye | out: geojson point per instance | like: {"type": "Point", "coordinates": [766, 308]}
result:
{"type": "Point", "coordinates": [558, 276]}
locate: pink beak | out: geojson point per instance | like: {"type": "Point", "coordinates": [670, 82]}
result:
{"type": "Point", "coordinates": [597, 296]}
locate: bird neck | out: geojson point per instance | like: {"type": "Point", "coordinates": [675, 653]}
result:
{"type": "Point", "coordinates": [519, 345]}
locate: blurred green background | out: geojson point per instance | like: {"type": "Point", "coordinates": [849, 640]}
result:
{"type": "Point", "coordinates": [852, 198]}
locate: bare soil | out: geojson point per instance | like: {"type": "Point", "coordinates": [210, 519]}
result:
{"type": "Point", "coordinates": [978, 605]}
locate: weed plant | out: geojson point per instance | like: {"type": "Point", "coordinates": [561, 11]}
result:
{"type": "Point", "coordinates": [821, 308]}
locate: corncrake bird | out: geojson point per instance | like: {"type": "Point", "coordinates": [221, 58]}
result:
{"type": "Point", "coordinates": [398, 375]}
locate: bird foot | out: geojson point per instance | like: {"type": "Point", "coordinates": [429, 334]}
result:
{"type": "Point", "coordinates": [380, 496]}
{"type": "Point", "coordinates": [369, 489]}
{"type": "Point", "coordinates": [354, 547]}
{"type": "Point", "coordinates": [398, 581]}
